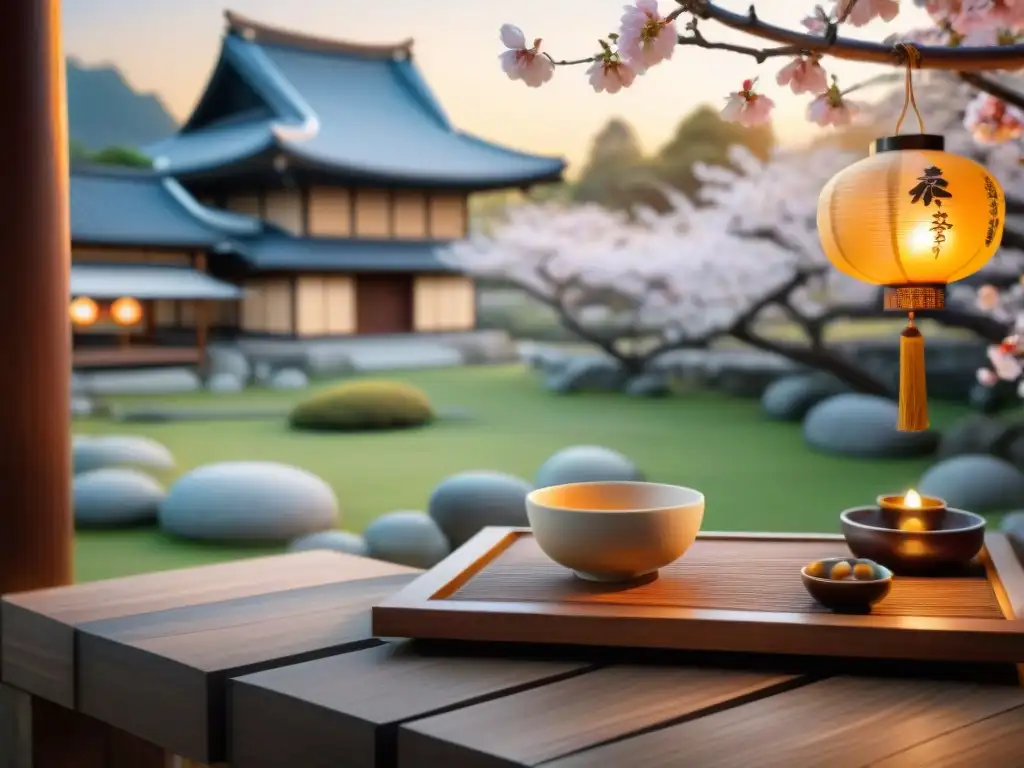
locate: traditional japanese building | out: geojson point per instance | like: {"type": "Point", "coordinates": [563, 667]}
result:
{"type": "Point", "coordinates": [140, 288]}
{"type": "Point", "coordinates": [342, 152]}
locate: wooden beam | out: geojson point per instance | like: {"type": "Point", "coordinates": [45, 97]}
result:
{"type": "Point", "coordinates": [202, 319]}
{"type": "Point", "coordinates": [36, 524]}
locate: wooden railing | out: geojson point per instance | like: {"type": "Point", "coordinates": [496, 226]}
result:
{"type": "Point", "coordinates": [134, 357]}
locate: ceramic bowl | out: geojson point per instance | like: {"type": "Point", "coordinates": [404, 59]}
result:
{"type": "Point", "coordinates": [848, 595]}
{"type": "Point", "coordinates": [615, 531]}
{"type": "Point", "coordinates": [958, 539]}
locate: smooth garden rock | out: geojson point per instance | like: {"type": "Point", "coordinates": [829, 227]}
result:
{"type": "Point", "coordinates": [289, 378]}
{"type": "Point", "coordinates": [463, 504]}
{"type": "Point", "coordinates": [976, 483]}
{"type": "Point", "coordinates": [650, 384]}
{"type": "Point", "coordinates": [1013, 526]}
{"type": "Point", "coordinates": [586, 463]}
{"type": "Point", "coordinates": [863, 426]}
{"type": "Point", "coordinates": [115, 497]}
{"type": "Point", "coordinates": [247, 501]}
{"type": "Point", "coordinates": [976, 434]}
{"type": "Point", "coordinates": [336, 541]}
{"type": "Point", "coordinates": [743, 381]}
{"type": "Point", "coordinates": [225, 382]}
{"type": "Point", "coordinates": [1011, 446]}
{"type": "Point", "coordinates": [791, 397]}
{"type": "Point", "coordinates": [228, 361]}
{"type": "Point", "coordinates": [406, 537]}
{"type": "Point", "coordinates": [81, 406]}
{"type": "Point", "coordinates": [99, 451]}
{"type": "Point", "coordinates": [142, 381]}
{"type": "Point", "coordinates": [587, 374]}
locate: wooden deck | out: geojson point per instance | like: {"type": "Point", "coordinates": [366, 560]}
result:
{"type": "Point", "coordinates": [270, 663]}
{"type": "Point", "coordinates": [134, 357]}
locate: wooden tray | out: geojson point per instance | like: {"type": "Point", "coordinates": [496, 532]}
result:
{"type": "Point", "coordinates": [730, 592]}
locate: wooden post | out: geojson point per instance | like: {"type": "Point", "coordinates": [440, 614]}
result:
{"type": "Point", "coordinates": [36, 527]}
{"type": "Point", "coordinates": [201, 324]}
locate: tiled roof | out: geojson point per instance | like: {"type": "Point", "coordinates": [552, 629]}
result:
{"type": "Point", "coordinates": [120, 206]}
{"type": "Point", "coordinates": [364, 112]}
{"type": "Point", "coordinates": [279, 251]}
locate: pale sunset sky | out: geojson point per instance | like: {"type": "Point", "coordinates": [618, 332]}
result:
{"type": "Point", "coordinates": [170, 46]}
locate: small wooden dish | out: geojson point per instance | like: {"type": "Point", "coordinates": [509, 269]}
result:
{"type": "Point", "coordinates": [848, 595]}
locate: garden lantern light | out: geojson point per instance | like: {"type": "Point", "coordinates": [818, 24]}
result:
{"type": "Point", "coordinates": [83, 311]}
{"type": "Point", "coordinates": [126, 311]}
{"type": "Point", "coordinates": [912, 218]}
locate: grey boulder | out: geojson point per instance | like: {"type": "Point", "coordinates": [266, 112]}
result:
{"type": "Point", "coordinates": [91, 452]}
{"type": "Point", "coordinates": [464, 503]}
{"type": "Point", "coordinates": [289, 378]}
{"type": "Point", "coordinates": [975, 435]}
{"type": "Point", "coordinates": [587, 374]}
{"type": "Point", "coordinates": [975, 483]}
{"type": "Point", "coordinates": [649, 384]}
{"type": "Point", "coordinates": [225, 382]}
{"type": "Point", "coordinates": [115, 497]}
{"type": "Point", "coordinates": [336, 541]}
{"type": "Point", "coordinates": [228, 361]}
{"type": "Point", "coordinates": [791, 397]}
{"type": "Point", "coordinates": [863, 426]}
{"type": "Point", "coordinates": [585, 464]}
{"type": "Point", "coordinates": [248, 501]}
{"type": "Point", "coordinates": [406, 537]}
{"type": "Point", "coordinates": [1013, 527]}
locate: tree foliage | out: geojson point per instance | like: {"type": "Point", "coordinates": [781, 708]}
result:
{"type": "Point", "coordinates": [617, 175]}
{"type": "Point", "coordinates": [125, 157]}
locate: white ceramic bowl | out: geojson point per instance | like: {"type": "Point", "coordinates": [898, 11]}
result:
{"type": "Point", "coordinates": [615, 531]}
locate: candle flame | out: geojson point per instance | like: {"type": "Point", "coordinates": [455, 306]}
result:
{"type": "Point", "coordinates": [912, 499]}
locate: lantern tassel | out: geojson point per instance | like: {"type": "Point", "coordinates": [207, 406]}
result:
{"type": "Point", "coordinates": [913, 406]}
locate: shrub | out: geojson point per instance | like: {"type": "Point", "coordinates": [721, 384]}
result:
{"type": "Point", "coordinates": [363, 405]}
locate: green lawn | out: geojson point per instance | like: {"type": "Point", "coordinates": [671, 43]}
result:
{"type": "Point", "coordinates": [756, 474]}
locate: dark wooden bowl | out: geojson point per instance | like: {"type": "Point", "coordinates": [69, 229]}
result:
{"type": "Point", "coordinates": [848, 595]}
{"type": "Point", "coordinates": [954, 544]}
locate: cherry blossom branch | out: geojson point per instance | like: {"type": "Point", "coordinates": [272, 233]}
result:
{"type": "Point", "coordinates": [993, 87]}
{"type": "Point", "coordinates": [963, 59]}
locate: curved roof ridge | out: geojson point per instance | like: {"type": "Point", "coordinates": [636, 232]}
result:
{"type": "Point", "coordinates": [263, 33]}
{"type": "Point", "coordinates": [267, 74]}
{"type": "Point", "coordinates": [226, 221]}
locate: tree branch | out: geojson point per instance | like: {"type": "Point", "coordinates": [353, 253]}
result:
{"type": "Point", "coordinates": [963, 59]}
{"type": "Point", "coordinates": [993, 87]}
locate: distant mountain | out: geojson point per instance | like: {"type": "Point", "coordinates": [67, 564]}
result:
{"type": "Point", "coordinates": [104, 111]}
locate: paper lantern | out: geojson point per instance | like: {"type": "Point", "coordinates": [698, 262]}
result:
{"type": "Point", "coordinates": [83, 311]}
{"type": "Point", "coordinates": [912, 218]}
{"type": "Point", "coordinates": [126, 311]}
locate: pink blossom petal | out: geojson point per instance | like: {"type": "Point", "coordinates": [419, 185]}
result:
{"type": "Point", "coordinates": [513, 37]}
{"type": "Point", "coordinates": [988, 298]}
{"type": "Point", "coordinates": [987, 377]}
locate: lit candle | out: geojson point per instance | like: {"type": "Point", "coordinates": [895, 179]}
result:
{"type": "Point", "coordinates": [912, 511]}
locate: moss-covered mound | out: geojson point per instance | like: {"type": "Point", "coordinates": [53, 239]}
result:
{"type": "Point", "coordinates": [363, 405]}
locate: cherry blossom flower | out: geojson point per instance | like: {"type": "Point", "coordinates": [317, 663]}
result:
{"type": "Point", "coordinates": [984, 15]}
{"type": "Point", "coordinates": [857, 13]}
{"type": "Point", "coordinates": [988, 298]}
{"type": "Point", "coordinates": [803, 74]}
{"type": "Point", "coordinates": [747, 107]}
{"type": "Point", "coordinates": [522, 63]}
{"type": "Point", "coordinates": [610, 74]}
{"type": "Point", "coordinates": [830, 108]}
{"type": "Point", "coordinates": [819, 20]}
{"type": "Point", "coordinates": [1006, 366]}
{"type": "Point", "coordinates": [645, 36]}
{"type": "Point", "coordinates": [987, 377]}
{"type": "Point", "coordinates": [993, 121]}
